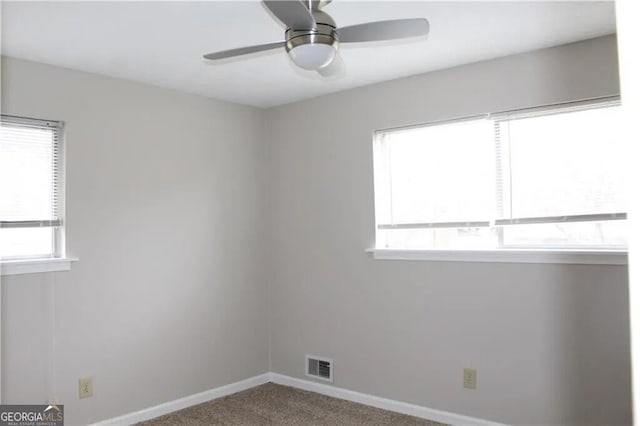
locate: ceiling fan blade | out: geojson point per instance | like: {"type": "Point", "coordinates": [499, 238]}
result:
{"type": "Point", "coordinates": [384, 30]}
{"type": "Point", "coordinates": [336, 68]}
{"type": "Point", "coordinates": [292, 13]}
{"type": "Point", "coordinates": [242, 51]}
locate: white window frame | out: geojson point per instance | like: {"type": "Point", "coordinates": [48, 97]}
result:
{"type": "Point", "coordinates": [505, 253]}
{"type": "Point", "coordinates": [59, 260]}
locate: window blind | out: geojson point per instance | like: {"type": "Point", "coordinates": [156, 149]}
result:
{"type": "Point", "coordinates": [539, 149]}
{"type": "Point", "coordinates": [30, 176]}
{"type": "Point", "coordinates": [554, 179]}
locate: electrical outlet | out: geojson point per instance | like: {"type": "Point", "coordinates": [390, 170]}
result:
{"type": "Point", "coordinates": [85, 387]}
{"type": "Point", "coordinates": [469, 378]}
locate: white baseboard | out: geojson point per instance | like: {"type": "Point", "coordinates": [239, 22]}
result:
{"type": "Point", "coordinates": [349, 395]}
{"type": "Point", "coordinates": [187, 401]}
{"type": "Point", "coordinates": [385, 404]}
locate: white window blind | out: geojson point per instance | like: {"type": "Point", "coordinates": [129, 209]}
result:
{"type": "Point", "coordinates": [434, 181]}
{"type": "Point", "coordinates": [540, 178]}
{"type": "Point", "coordinates": [563, 180]}
{"type": "Point", "coordinates": [30, 188]}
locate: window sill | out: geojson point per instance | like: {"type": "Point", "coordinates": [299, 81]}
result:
{"type": "Point", "coordinates": [579, 257]}
{"type": "Point", "coordinates": [33, 266]}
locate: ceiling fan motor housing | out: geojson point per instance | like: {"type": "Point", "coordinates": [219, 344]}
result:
{"type": "Point", "coordinates": [313, 48]}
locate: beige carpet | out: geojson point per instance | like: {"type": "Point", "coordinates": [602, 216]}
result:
{"type": "Point", "coordinates": [272, 404]}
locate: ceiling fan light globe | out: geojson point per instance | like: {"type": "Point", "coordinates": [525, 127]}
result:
{"type": "Point", "coordinates": [313, 56]}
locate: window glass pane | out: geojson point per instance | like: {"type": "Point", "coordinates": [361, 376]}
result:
{"type": "Point", "coordinates": [553, 163]}
{"type": "Point", "coordinates": [566, 164]}
{"type": "Point", "coordinates": [26, 242]}
{"type": "Point", "coordinates": [448, 238]}
{"type": "Point", "coordinates": [26, 173]}
{"type": "Point", "coordinates": [440, 173]}
{"type": "Point", "coordinates": [606, 234]}
{"type": "Point", "coordinates": [28, 190]}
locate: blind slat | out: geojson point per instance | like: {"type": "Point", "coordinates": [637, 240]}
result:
{"type": "Point", "coordinates": [434, 225]}
{"type": "Point", "coordinates": [562, 219]}
{"type": "Point", "coordinates": [30, 223]}
{"type": "Point", "coordinates": [507, 222]}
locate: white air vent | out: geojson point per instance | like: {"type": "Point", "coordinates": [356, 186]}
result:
{"type": "Point", "coordinates": [319, 368]}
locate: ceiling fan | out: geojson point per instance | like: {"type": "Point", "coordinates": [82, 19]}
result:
{"type": "Point", "coordinates": [312, 36]}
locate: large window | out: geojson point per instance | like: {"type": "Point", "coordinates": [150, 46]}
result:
{"type": "Point", "coordinates": [30, 189]}
{"type": "Point", "coordinates": [542, 178]}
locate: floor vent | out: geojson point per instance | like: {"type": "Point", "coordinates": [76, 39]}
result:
{"type": "Point", "coordinates": [319, 368]}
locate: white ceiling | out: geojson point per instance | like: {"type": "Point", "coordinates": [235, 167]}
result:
{"type": "Point", "coordinates": [161, 43]}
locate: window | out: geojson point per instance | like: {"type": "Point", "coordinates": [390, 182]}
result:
{"type": "Point", "coordinates": [545, 178]}
{"type": "Point", "coordinates": [30, 189]}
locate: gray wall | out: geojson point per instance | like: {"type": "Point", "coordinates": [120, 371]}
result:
{"type": "Point", "coordinates": [163, 202]}
{"type": "Point", "coordinates": [550, 342]}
